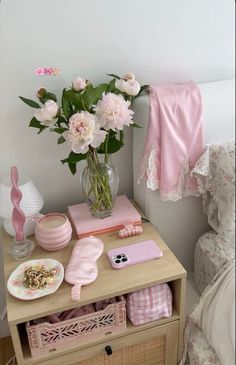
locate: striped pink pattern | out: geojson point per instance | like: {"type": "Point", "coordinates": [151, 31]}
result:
{"type": "Point", "coordinates": [149, 304]}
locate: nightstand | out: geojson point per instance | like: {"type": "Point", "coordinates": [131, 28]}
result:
{"type": "Point", "coordinates": [155, 343]}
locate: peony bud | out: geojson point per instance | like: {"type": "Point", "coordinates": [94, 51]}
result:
{"type": "Point", "coordinates": [129, 76]}
{"type": "Point", "coordinates": [41, 92]}
{"type": "Point", "coordinates": [79, 84]}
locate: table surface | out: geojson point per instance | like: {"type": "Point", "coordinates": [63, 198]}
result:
{"type": "Point", "coordinates": [109, 283]}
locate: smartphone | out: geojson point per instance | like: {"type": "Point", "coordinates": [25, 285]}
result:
{"type": "Point", "coordinates": [134, 254]}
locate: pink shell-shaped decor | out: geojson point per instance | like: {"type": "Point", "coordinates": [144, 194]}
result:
{"type": "Point", "coordinates": [53, 231]}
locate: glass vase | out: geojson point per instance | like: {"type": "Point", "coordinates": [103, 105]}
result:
{"type": "Point", "coordinates": [100, 182]}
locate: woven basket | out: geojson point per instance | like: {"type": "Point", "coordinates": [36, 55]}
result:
{"type": "Point", "coordinates": [46, 337]}
{"type": "Point", "coordinates": [150, 352]}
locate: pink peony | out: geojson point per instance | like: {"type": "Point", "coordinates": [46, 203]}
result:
{"type": "Point", "coordinates": [113, 112]}
{"type": "Point", "coordinates": [48, 113]}
{"type": "Point", "coordinates": [79, 84]}
{"type": "Point", "coordinates": [84, 130]}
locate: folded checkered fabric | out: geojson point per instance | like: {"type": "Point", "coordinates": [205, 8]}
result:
{"type": "Point", "coordinates": [149, 304]}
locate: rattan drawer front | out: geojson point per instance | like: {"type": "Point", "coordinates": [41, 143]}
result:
{"type": "Point", "coordinates": [156, 346]}
{"type": "Point", "coordinates": [151, 352]}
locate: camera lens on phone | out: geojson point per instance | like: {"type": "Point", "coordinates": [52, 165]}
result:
{"type": "Point", "coordinates": [124, 259]}
{"type": "Point", "coordinates": [117, 261]}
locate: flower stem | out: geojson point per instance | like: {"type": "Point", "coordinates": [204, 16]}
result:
{"type": "Point", "coordinates": [99, 193]}
{"type": "Point", "coordinates": [106, 147]}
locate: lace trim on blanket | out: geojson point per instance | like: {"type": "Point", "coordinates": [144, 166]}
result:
{"type": "Point", "coordinates": [149, 171]}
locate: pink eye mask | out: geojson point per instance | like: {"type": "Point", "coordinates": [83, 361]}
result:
{"type": "Point", "coordinates": [82, 267]}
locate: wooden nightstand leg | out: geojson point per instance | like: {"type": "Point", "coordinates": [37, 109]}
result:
{"type": "Point", "coordinates": [179, 303]}
{"type": "Point", "coordinates": [16, 344]}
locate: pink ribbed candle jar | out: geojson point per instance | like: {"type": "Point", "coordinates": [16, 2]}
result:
{"type": "Point", "coordinates": [53, 231]}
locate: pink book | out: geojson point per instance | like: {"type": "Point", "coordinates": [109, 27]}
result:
{"type": "Point", "coordinates": [85, 224]}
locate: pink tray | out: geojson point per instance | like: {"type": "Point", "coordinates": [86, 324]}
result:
{"type": "Point", "coordinates": [45, 338]}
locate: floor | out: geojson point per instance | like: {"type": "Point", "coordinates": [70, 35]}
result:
{"type": "Point", "coordinates": [6, 350]}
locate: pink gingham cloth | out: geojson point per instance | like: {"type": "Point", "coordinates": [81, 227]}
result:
{"type": "Point", "coordinates": [174, 140]}
{"type": "Point", "coordinates": [149, 304]}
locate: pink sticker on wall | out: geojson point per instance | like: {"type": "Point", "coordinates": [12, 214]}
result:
{"type": "Point", "coordinates": [48, 71]}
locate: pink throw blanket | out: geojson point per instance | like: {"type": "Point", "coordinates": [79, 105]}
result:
{"type": "Point", "coordinates": [174, 140]}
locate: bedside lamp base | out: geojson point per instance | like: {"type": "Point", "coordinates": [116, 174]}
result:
{"type": "Point", "coordinates": [20, 250]}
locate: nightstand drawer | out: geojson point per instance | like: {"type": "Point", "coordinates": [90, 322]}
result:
{"type": "Point", "coordinates": [155, 346]}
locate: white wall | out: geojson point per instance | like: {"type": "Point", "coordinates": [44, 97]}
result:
{"type": "Point", "coordinates": [158, 40]}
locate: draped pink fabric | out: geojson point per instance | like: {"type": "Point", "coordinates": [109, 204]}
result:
{"type": "Point", "coordinates": [174, 140]}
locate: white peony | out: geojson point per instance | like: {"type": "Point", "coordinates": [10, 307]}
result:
{"type": "Point", "coordinates": [48, 113]}
{"type": "Point", "coordinates": [113, 112]}
{"type": "Point", "coordinates": [84, 130]}
{"type": "Point", "coordinates": [129, 86]}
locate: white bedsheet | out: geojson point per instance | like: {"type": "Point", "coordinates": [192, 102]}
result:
{"type": "Point", "coordinates": [214, 315]}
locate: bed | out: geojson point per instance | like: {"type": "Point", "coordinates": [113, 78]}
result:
{"type": "Point", "coordinates": [209, 256]}
{"type": "Point", "coordinates": [196, 236]}
{"type": "Point", "coordinates": [214, 262]}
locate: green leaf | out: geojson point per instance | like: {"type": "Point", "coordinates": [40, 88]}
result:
{"type": "Point", "coordinates": [35, 123]}
{"type": "Point", "coordinates": [60, 130]}
{"type": "Point", "coordinates": [61, 120]}
{"type": "Point", "coordinates": [113, 146]}
{"type": "Point", "coordinates": [122, 136]}
{"type": "Point", "coordinates": [74, 157]}
{"type": "Point", "coordinates": [42, 129]}
{"type": "Point", "coordinates": [72, 160]}
{"type": "Point", "coordinates": [112, 134]}
{"type": "Point", "coordinates": [135, 125]}
{"type": "Point", "coordinates": [72, 167]}
{"type": "Point", "coordinates": [30, 102]}
{"type": "Point", "coordinates": [92, 95]}
{"type": "Point", "coordinates": [75, 99]}
{"type": "Point", "coordinates": [115, 76]}
{"type": "Point", "coordinates": [111, 86]}
{"type": "Point", "coordinates": [50, 96]}
{"type": "Point", "coordinates": [61, 140]}
{"type": "Point", "coordinates": [65, 104]}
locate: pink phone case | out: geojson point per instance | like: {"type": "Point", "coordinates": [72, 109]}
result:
{"type": "Point", "coordinates": [134, 254]}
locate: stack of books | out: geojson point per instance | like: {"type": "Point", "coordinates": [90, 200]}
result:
{"type": "Point", "coordinates": [85, 224]}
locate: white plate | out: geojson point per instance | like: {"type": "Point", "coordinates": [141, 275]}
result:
{"type": "Point", "coordinates": [15, 282]}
